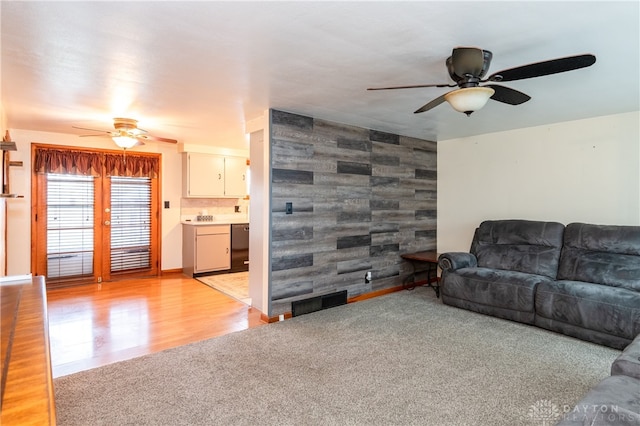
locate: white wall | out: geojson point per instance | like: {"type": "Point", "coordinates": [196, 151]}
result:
{"type": "Point", "coordinates": [259, 213]}
{"type": "Point", "coordinates": [3, 202]}
{"type": "Point", "coordinates": [19, 210]}
{"type": "Point", "coordinates": [579, 171]}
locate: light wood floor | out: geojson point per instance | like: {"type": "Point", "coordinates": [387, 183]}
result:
{"type": "Point", "coordinates": [98, 324]}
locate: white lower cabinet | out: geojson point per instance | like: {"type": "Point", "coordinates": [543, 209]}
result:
{"type": "Point", "coordinates": [205, 248]}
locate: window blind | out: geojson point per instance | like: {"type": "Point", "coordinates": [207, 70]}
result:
{"type": "Point", "coordinates": [70, 206]}
{"type": "Point", "coordinates": [130, 223]}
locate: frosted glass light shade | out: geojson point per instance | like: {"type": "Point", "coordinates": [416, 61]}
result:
{"type": "Point", "coordinates": [125, 142]}
{"type": "Point", "coordinates": [469, 99]}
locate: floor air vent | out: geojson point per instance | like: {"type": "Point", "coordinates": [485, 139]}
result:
{"type": "Point", "coordinates": [313, 304]}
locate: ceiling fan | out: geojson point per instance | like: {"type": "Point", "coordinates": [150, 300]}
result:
{"type": "Point", "coordinates": [127, 134]}
{"type": "Point", "coordinates": [467, 67]}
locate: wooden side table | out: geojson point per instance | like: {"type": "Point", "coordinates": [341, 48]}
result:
{"type": "Point", "coordinates": [430, 259]}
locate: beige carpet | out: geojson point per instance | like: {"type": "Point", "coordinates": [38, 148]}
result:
{"type": "Point", "coordinates": [399, 359]}
{"type": "Point", "coordinates": [235, 285]}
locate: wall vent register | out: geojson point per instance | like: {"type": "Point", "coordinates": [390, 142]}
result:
{"type": "Point", "coordinates": [318, 303]}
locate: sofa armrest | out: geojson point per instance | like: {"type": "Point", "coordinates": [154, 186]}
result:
{"type": "Point", "coordinates": [628, 363]}
{"type": "Point", "coordinates": [456, 260]}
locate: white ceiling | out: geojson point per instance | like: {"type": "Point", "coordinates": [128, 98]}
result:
{"type": "Point", "coordinates": [197, 71]}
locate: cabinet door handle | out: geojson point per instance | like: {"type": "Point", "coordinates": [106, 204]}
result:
{"type": "Point", "coordinates": [227, 250]}
{"type": "Point", "coordinates": [219, 176]}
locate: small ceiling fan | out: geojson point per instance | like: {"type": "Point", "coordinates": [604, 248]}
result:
{"type": "Point", "coordinates": [127, 134]}
{"type": "Point", "coordinates": [467, 67]}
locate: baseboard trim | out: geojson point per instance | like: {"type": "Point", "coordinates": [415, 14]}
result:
{"type": "Point", "coordinates": [265, 318]}
{"type": "Point", "coordinates": [373, 294]}
{"type": "Point", "coordinates": [358, 298]}
{"type": "Point", "coordinates": [170, 272]}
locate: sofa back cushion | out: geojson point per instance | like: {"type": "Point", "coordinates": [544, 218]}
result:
{"type": "Point", "coordinates": [519, 245]}
{"type": "Point", "coordinates": [602, 254]}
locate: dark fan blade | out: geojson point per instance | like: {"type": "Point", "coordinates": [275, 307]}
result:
{"type": "Point", "coordinates": [467, 60]}
{"type": "Point", "coordinates": [157, 139]}
{"type": "Point", "coordinates": [412, 87]}
{"type": "Point", "coordinates": [93, 130]}
{"type": "Point", "coordinates": [434, 103]}
{"type": "Point", "coordinates": [508, 95]}
{"type": "Point", "coordinates": [540, 69]}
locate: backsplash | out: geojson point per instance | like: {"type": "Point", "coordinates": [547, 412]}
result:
{"type": "Point", "coordinates": [217, 207]}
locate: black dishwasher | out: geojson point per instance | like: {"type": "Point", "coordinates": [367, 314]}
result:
{"type": "Point", "coordinates": [239, 247]}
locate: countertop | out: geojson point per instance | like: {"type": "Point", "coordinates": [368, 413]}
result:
{"type": "Point", "coordinates": [222, 220]}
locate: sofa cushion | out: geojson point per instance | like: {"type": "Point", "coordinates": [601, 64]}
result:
{"type": "Point", "coordinates": [608, 255]}
{"type": "Point", "coordinates": [504, 289]}
{"type": "Point", "coordinates": [519, 245]}
{"type": "Point", "coordinates": [613, 401]}
{"type": "Point", "coordinates": [614, 311]}
{"type": "Point", "coordinates": [628, 363]}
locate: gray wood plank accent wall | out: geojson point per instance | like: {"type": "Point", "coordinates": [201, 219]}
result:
{"type": "Point", "coordinates": [360, 198]}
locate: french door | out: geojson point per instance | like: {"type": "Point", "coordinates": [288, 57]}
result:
{"type": "Point", "coordinates": [95, 228]}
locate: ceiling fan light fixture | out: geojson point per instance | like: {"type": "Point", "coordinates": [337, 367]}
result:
{"type": "Point", "coordinates": [469, 99]}
{"type": "Point", "coordinates": [125, 142]}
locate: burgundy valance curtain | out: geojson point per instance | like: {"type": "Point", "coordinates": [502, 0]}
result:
{"type": "Point", "coordinates": [93, 163]}
{"type": "Point", "coordinates": [67, 162]}
{"type": "Point", "coordinates": [131, 165]}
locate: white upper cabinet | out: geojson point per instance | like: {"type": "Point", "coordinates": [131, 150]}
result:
{"type": "Point", "coordinates": [235, 176]}
{"type": "Point", "coordinates": [203, 175]}
{"type": "Point", "coordinates": [213, 176]}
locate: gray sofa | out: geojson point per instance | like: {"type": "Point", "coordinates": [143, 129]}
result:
{"type": "Point", "coordinates": [581, 280]}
